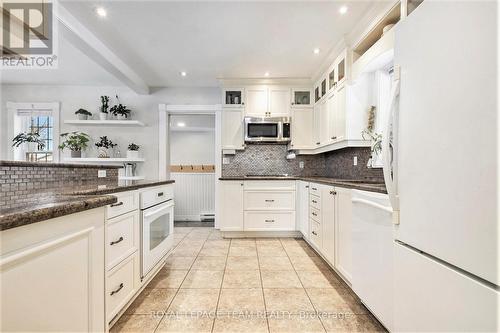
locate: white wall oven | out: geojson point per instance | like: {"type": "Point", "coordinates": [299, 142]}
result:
{"type": "Point", "coordinates": [157, 226]}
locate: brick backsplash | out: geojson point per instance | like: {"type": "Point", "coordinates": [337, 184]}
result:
{"type": "Point", "coordinates": [24, 183]}
{"type": "Point", "coordinates": [265, 159]}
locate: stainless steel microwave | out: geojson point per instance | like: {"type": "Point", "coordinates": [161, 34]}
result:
{"type": "Point", "coordinates": [275, 129]}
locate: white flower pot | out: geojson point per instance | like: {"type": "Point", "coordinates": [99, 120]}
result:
{"type": "Point", "coordinates": [132, 154]}
{"type": "Point", "coordinates": [82, 116]}
{"type": "Point", "coordinates": [103, 116]}
{"type": "Point", "coordinates": [121, 117]}
{"type": "Point", "coordinates": [103, 153]}
{"type": "Point", "coordinates": [76, 153]}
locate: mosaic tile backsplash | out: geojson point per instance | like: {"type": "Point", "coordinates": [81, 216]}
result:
{"type": "Point", "coordinates": [25, 183]}
{"type": "Point", "coordinates": [265, 159]}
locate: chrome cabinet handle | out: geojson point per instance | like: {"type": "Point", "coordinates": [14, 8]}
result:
{"type": "Point", "coordinates": [314, 201]}
{"type": "Point", "coordinates": [333, 192]}
{"type": "Point", "coordinates": [314, 233]}
{"type": "Point", "coordinates": [307, 186]}
{"type": "Point", "coordinates": [318, 143]}
{"type": "Point", "coordinates": [314, 214]}
{"type": "Point", "coordinates": [160, 194]}
{"type": "Point", "coordinates": [117, 290]}
{"type": "Point", "coordinates": [269, 221]}
{"type": "Point", "coordinates": [334, 137]}
{"type": "Point", "coordinates": [117, 204]}
{"type": "Point", "coordinates": [269, 200]}
{"type": "Point", "coordinates": [314, 188]}
{"type": "Point", "coordinates": [116, 241]}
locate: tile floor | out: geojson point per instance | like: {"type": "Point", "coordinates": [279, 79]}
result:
{"type": "Point", "coordinates": [211, 284]}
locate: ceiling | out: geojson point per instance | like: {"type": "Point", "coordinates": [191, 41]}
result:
{"type": "Point", "coordinates": [206, 39]}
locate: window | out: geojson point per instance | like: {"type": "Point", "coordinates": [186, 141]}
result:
{"type": "Point", "coordinates": [43, 125]}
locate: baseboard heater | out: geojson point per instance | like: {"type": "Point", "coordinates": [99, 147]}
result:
{"type": "Point", "coordinates": [207, 217]}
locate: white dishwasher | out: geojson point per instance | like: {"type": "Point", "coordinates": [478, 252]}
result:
{"type": "Point", "coordinates": [372, 253]}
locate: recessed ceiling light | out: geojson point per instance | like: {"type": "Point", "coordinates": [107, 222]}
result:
{"type": "Point", "coordinates": [101, 11]}
{"type": "Point", "coordinates": [266, 74]}
{"type": "Point", "coordinates": [316, 51]}
{"type": "Point", "coordinates": [180, 124]}
{"type": "Point", "coordinates": [183, 73]}
{"type": "Point", "coordinates": [343, 10]}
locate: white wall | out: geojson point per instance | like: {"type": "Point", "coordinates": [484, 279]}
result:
{"type": "Point", "coordinates": [144, 107]}
{"type": "Point", "coordinates": [192, 147]}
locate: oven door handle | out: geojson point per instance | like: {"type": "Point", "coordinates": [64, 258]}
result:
{"type": "Point", "coordinates": [165, 206]}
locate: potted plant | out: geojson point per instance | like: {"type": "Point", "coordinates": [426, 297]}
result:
{"type": "Point", "coordinates": [32, 139]}
{"type": "Point", "coordinates": [83, 114]}
{"type": "Point", "coordinates": [104, 144]}
{"type": "Point", "coordinates": [133, 151]}
{"type": "Point", "coordinates": [76, 142]}
{"type": "Point", "coordinates": [120, 111]}
{"type": "Point", "coordinates": [103, 111]}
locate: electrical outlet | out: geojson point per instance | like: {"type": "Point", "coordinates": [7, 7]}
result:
{"type": "Point", "coordinates": [301, 164]}
{"type": "Point", "coordinates": [101, 173]}
{"type": "Point", "coordinates": [355, 161]}
{"type": "Point", "coordinates": [225, 160]}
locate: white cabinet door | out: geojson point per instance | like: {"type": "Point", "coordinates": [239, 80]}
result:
{"type": "Point", "coordinates": [324, 121]}
{"type": "Point", "coordinates": [257, 102]}
{"type": "Point", "coordinates": [279, 101]}
{"type": "Point", "coordinates": [52, 275]}
{"type": "Point", "coordinates": [232, 129]}
{"type": "Point", "coordinates": [303, 208]}
{"type": "Point", "coordinates": [302, 128]}
{"type": "Point", "coordinates": [316, 127]}
{"type": "Point", "coordinates": [232, 203]}
{"type": "Point", "coordinates": [340, 114]}
{"type": "Point", "coordinates": [331, 104]}
{"type": "Point", "coordinates": [328, 222]}
{"type": "Point", "coordinates": [343, 235]}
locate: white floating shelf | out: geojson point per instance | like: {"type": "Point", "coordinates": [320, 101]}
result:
{"type": "Point", "coordinates": [131, 178]}
{"type": "Point", "coordinates": [135, 123]}
{"type": "Point", "coordinates": [96, 160]}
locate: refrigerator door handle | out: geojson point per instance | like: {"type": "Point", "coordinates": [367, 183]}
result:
{"type": "Point", "coordinates": [389, 155]}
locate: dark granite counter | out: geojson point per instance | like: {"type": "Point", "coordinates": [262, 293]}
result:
{"type": "Point", "coordinates": [357, 184]}
{"type": "Point", "coordinates": [68, 200]}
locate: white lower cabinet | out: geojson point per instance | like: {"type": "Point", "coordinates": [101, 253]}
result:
{"type": "Point", "coordinates": [52, 275]}
{"type": "Point", "coordinates": [302, 208]}
{"type": "Point", "coordinates": [343, 232]}
{"type": "Point", "coordinates": [232, 206]}
{"type": "Point", "coordinates": [269, 221]}
{"type": "Point", "coordinates": [122, 238]}
{"type": "Point", "coordinates": [328, 222]}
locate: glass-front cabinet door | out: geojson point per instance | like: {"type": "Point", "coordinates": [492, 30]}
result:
{"type": "Point", "coordinates": [301, 97]}
{"type": "Point", "coordinates": [233, 97]}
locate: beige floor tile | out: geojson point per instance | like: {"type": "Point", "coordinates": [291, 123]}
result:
{"type": "Point", "coordinates": [152, 300]}
{"type": "Point", "coordinates": [194, 300]}
{"type": "Point", "coordinates": [318, 279]}
{"type": "Point", "coordinates": [232, 324]}
{"type": "Point", "coordinates": [333, 301]}
{"type": "Point", "coordinates": [203, 279]}
{"type": "Point", "coordinates": [179, 263]}
{"type": "Point", "coordinates": [242, 263]}
{"type": "Point", "coordinates": [213, 252]}
{"type": "Point", "coordinates": [295, 324]}
{"type": "Point", "coordinates": [280, 279]}
{"type": "Point", "coordinates": [215, 236]}
{"type": "Point", "coordinates": [197, 236]}
{"type": "Point", "coordinates": [268, 241]}
{"type": "Point", "coordinates": [210, 263]}
{"type": "Point", "coordinates": [249, 301]}
{"type": "Point", "coordinates": [309, 264]}
{"type": "Point", "coordinates": [221, 243]}
{"type": "Point", "coordinates": [271, 251]}
{"type": "Point", "coordinates": [185, 323]}
{"type": "Point", "coordinates": [186, 251]}
{"type": "Point", "coordinates": [298, 251]}
{"type": "Point", "coordinates": [290, 301]}
{"type": "Point", "coordinates": [136, 324]}
{"type": "Point", "coordinates": [179, 236]}
{"type": "Point", "coordinates": [182, 230]}
{"type": "Point", "coordinates": [275, 264]}
{"type": "Point", "coordinates": [243, 242]}
{"type": "Point", "coordinates": [353, 323]}
{"type": "Point", "coordinates": [242, 251]}
{"type": "Point", "coordinates": [168, 279]}
{"type": "Point", "coordinates": [242, 279]}
{"type": "Point", "coordinates": [191, 243]}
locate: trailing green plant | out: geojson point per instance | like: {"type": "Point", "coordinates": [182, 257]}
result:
{"type": "Point", "coordinates": [74, 141]}
{"type": "Point", "coordinates": [104, 104]}
{"type": "Point", "coordinates": [104, 142]}
{"type": "Point", "coordinates": [84, 112]}
{"type": "Point", "coordinates": [120, 109]}
{"type": "Point", "coordinates": [28, 137]}
{"type": "Point", "coordinates": [376, 140]}
{"type": "Point", "coordinates": [133, 147]}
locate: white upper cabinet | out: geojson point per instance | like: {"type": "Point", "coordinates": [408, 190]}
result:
{"type": "Point", "coordinates": [302, 128]}
{"type": "Point", "coordinates": [324, 121]}
{"type": "Point", "coordinates": [232, 129]}
{"type": "Point", "coordinates": [301, 97]}
{"type": "Point", "coordinates": [233, 97]}
{"type": "Point", "coordinates": [257, 101]}
{"type": "Point", "coordinates": [279, 101]}
{"type": "Point", "coordinates": [340, 114]}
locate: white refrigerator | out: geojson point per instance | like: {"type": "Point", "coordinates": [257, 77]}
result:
{"type": "Point", "coordinates": [443, 175]}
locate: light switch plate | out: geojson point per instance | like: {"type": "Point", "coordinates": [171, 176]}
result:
{"type": "Point", "coordinates": [355, 161]}
{"type": "Point", "coordinates": [225, 160]}
{"type": "Point", "coordinates": [301, 164]}
{"type": "Point", "coordinates": [101, 173]}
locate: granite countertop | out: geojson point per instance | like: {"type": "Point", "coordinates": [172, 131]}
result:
{"type": "Point", "coordinates": [68, 201]}
{"type": "Point", "coordinates": [357, 184]}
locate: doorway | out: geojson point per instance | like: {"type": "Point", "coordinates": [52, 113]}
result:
{"type": "Point", "coordinates": [192, 140]}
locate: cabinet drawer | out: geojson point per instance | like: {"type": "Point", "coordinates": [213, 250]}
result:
{"type": "Point", "coordinates": [315, 236]}
{"type": "Point", "coordinates": [315, 189]}
{"type": "Point", "coordinates": [127, 202]}
{"type": "Point", "coordinates": [270, 185]}
{"type": "Point", "coordinates": [262, 221]}
{"type": "Point", "coordinates": [315, 214]}
{"type": "Point", "coordinates": [122, 238]}
{"type": "Point", "coordinates": [121, 285]}
{"type": "Point", "coordinates": [267, 200]}
{"type": "Point", "coordinates": [315, 202]}
{"type": "Point", "coordinates": [155, 195]}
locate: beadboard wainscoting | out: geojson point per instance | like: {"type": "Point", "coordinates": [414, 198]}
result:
{"type": "Point", "coordinates": [194, 195]}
